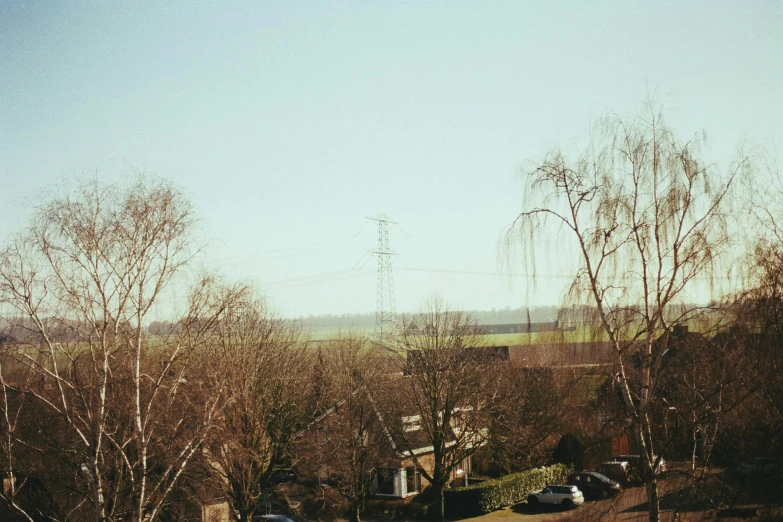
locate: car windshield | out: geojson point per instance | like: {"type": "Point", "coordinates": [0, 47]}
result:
{"type": "Point", "coordinates": [602, 478]}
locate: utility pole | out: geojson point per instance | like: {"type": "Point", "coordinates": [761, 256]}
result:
{"type": "Point", "coordinates": [386, 307]}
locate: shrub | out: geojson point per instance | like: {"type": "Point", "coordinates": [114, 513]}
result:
{"type": "Point", "coordinates": [498, 493]}
{"type": "Point", "coordinates": [570, 450]}
{"type": "Point", "coordinates": [406, 509]}
{"type": "Point", "coordinates": [324, 503]}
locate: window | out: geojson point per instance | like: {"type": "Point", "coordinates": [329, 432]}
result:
{"type": "Point", "coordinates": [412, 423]}
{"type": "Point", "coordinates": [385, 480]}
{"type": "Point", "coordinates": [412, 480]}
{"type": "Point", "coordinates": [457, 423]}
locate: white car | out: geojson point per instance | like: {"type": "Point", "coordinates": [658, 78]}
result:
{"type": "Point", "coordinates": [566, 496]}
{"type": "Point", "coordinates": [271, 518]}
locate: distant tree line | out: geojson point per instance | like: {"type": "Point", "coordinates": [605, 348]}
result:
{"type": "Point", "coordinates": [520, 315]}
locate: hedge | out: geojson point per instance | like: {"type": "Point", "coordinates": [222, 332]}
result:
{"type": "Point", "coordinates": [498, 493]}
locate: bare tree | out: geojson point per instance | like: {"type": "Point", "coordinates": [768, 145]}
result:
{"type": "Point", "coordinates": [352, 440]}
{"type": "Point", "coordinates": [450, 387]}
{"type": "Point", "coordinates": [262, 359]}
{"type": "Point", "coordinates": [82, 281]}
{"type": "Point", "coordinates": [533, 407]}
{"type": "Point", "coordinates": [647, 222]}
{"type": "Point", "coordinates": [758, 313]}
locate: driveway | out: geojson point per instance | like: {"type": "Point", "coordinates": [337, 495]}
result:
{"type": "Point", "coordinates": [631, 505]}
{"type": "Point", "coordinates": [620, 508]}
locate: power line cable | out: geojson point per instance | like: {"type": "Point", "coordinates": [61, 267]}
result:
{"type": "Point", "coordinates": [298, 279]}
{"type": "Point", "coordinates": [366, 258]}
{"type": "Point", "coordinates": [475, 272]}
{"type": "Point", "coordinates": [405, 263]}
{"type": "Point", "coordinates": [307, 246]}
{"type": "Point", "coordinates": [313, 280]}
{"type": "Point", "coordinates": [284, 256]}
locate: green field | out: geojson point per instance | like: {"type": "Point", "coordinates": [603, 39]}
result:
{"type": "Point", "coordinates": [576, 336]}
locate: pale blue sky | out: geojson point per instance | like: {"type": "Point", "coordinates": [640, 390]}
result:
{"type": "Point", "coordinates": [287, 123]}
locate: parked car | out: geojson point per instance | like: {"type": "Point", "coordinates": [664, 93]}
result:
{"type": "Point", "coordinates": [594, 485]}
{"type": "Point", "coordinates": [271, 518]}
{"type": "Point", "coordinates": [615, 470]}
{"type": "Point", "coordinates": [281, 476]}
{"type": "Point", "coordinates": [635, 463]}
{"type": "Point", "coordinates": [759, 468]}
{"type": "Point", "coordinates": [566, 496]}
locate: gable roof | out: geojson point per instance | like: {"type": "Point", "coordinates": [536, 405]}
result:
{"type": "Point", "coordinates": [416, 436]}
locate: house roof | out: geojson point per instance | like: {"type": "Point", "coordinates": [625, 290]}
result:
{"type": "Point", "coordinates": [406, 433]}
{"type": "Point", "coordinates": [416, 441]}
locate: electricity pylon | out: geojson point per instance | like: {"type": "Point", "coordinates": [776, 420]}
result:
{"type": "Point", "coordinates": [385, 307]}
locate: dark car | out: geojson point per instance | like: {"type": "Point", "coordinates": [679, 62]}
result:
{"type": "Point", "coordinates": [635, 466]}
{"type": "Point", "coordinates": [616, 470]}
{"type": "Point", "coordinates": [281, 476]}
{"type": "Point", "coordinates": [759, 468]}
{"type": "Point", "coordinates": [635, 461]}
{"type": "Point", "coordinates": [594, 485]}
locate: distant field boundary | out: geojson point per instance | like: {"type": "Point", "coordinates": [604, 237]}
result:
{"type": "Point", "coordinates": [498, 339]}
{"type": "Point", "coordinates": [562, 354]}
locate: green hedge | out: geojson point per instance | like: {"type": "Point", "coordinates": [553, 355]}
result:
{"type": "Point", "coordinates": [499, 493]}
